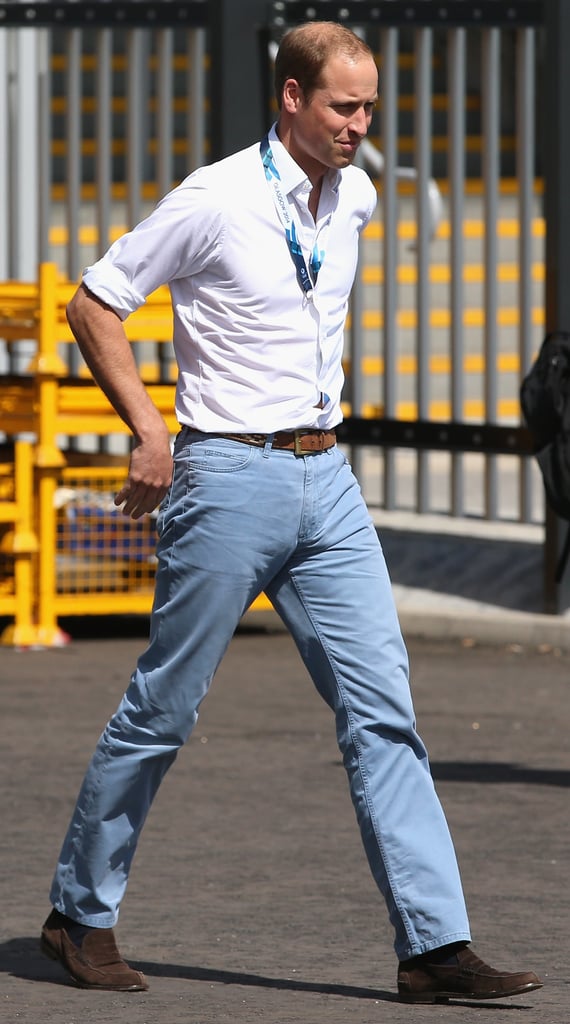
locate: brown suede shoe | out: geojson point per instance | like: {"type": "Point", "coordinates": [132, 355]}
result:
{"type": "Point", "coordinates": [469, 978]}
{"type": "Point", "coordinates": [95, 963]}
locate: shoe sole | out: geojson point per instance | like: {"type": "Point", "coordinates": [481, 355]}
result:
{"type": "Point", "coordinates": [443, 997]}
{"type": "Point", "coordinates": [53, 954]}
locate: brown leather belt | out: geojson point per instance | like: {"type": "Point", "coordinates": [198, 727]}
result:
{"type": "Point", "coordinates": [305, 441]}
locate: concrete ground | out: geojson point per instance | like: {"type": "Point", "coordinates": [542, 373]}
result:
{"type": "Point", "coordinates": [459, 578]}
{"type": "Point", "coordinates": [250, 898]}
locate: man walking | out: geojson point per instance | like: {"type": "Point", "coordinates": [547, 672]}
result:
{"type": "Point", "coordinates": [260, 252]}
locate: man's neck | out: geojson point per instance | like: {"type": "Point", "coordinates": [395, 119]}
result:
{"type": "Point", "coordinates": [315, 171]}
{"type": "Point", "coordinates": [315, 174]}
{"type": "Point", "coordinates": [314, 198]}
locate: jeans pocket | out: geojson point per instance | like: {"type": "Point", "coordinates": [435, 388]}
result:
{"type": "Point", "coordinates": [218, 455]}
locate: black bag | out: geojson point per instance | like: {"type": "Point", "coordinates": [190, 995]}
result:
{"type": "Point", "coordinates": [545, 402]}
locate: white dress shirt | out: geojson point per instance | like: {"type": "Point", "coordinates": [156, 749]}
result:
{"type": "Point", "coordinates": [253, 353]}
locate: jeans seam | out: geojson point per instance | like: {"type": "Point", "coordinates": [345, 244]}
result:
{"type": "Point", "coordinates": [104, 752]}
{"type": "Point", "coordinates": [363, 774]}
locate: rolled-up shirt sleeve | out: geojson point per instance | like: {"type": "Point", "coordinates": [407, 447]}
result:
{"type": "Point", "coordinates": [180, 237]}
{"type": "Point", "coordinates": [111, 286]}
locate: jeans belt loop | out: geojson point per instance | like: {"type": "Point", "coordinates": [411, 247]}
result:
{"type": "Point", "coordinates": [267, 445]}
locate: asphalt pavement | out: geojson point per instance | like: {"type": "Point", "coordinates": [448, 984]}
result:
{"type": "Point", "coordinates": [470, 580]}
{"type": "Point", "coordinates": [250, 897]}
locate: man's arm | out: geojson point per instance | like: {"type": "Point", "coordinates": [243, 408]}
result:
{"type": "Point", "coordinates": [104, 346]}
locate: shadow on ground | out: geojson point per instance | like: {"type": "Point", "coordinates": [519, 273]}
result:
{"type": "Point", "coordinates": [497, 773]}
{"type": "Point", "coordinates": [507, 573]}
{"type": "Point", "coordinates": [21, 958]}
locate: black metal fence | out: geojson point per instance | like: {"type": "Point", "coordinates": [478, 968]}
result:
{"type": "Point", "coordinates": [236, 42]}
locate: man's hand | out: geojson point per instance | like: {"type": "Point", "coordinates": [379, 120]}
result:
{"type": "Point", "coordinates": [104, 345]}
{"type": "Point", "coordinates": [150, 473]}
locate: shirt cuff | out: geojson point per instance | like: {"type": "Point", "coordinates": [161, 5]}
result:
{"type": "Point", "coordinates": [110, 285]}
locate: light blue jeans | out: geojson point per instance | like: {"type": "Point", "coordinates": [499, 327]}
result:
{"type": "Point", "coordinates": [239, 520]}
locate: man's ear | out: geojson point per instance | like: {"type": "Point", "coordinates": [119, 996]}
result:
{"type": "Point", "coordinates": [292, 95]}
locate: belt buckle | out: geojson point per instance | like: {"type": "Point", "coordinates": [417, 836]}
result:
{"type": "Point", "coordinates": [298, 437]}
{"type": "Point", "coordinates": [300, 434]}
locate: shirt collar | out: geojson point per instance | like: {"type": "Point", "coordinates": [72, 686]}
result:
{"type": "Point", "coordinates": [292, 176]}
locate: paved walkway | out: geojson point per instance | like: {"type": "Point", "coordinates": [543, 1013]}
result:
{"type": "Point", "coordinates": [470, 580]}
{"type": "Point", "coordinates": [250, 899]}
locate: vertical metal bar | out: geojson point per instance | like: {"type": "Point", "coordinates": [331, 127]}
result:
{"type": "Point", "coordinates": [356, 380]}
{"type": "Point", "coordinates": [73, 143]}
{"type": "Point", "coordinates": [5, 36]}
{"type": "Point", "coordinates": [24, 185]}
{"type": "Point", "coordinates": [22, 160]}
{"type": "Point", "coordinates": [423, 51]}
{"type": "Point", "coordinates": [44, 143]}
{"type": "Point", "coordinates": [556, 156]}
{"type": "Point", "coordinates": [525, 65]}
{"type": "Point", "coordinates": [136, 135]}
{"type": "Point", "coordinates": [491, 139]}
{"type": "Point", "coordinates": [165, 140]}
{"type": "Point", "coordinates": [165, 132]}
{"type": "Point", "coordinates": [389, 92]}
{"type": "Point", "coordinates": [235, 72]}
{"type": "Point", "coordinates": [4, 181]}
{"type": "Point", "coordinates": [356, 388]}
{"type": "Point", "coordinates": [456, 172]}
{"type": "Point", "coordinates": [11, 171]}
{"type": "Point", "coordinates": [12, 157]}
{"type": "Point", "coordinates": [104, 158]}
{"type": "Point", "coordinates": [196, 99]}
{"type": "Point", "coordinates": [136, 132]}
{"type": "Point", "coordinates": [104, 132]}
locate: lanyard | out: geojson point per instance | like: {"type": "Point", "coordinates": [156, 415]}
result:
{"type": "Point", "coordinates": [307, 276]}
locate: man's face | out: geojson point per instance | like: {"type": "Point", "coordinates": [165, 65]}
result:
{"type": "Point", "coordinates": [327, 129]}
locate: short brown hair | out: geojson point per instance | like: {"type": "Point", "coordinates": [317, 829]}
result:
{"type": "Point", "coordinates": [305, 50]}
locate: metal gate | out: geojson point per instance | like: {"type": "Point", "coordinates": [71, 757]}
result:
{"type": "Point", "coordinates": [104, 106]}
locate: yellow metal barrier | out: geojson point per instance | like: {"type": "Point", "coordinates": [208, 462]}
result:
{"type": "Point", "coordinates": [104, 562]}
{"type": "Point", "coordinates": [90, 559]}
{"type": "Point", "coordinates": [18, 547]}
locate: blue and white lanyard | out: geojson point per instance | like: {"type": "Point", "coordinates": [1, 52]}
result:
{"type": "Point", "coordinates": [307, 276]}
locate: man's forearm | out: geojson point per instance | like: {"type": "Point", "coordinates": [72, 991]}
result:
{"type": "Point", "coordinates": [106, 350]}
{"type": "Point", "coordinates": [105, 347]}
